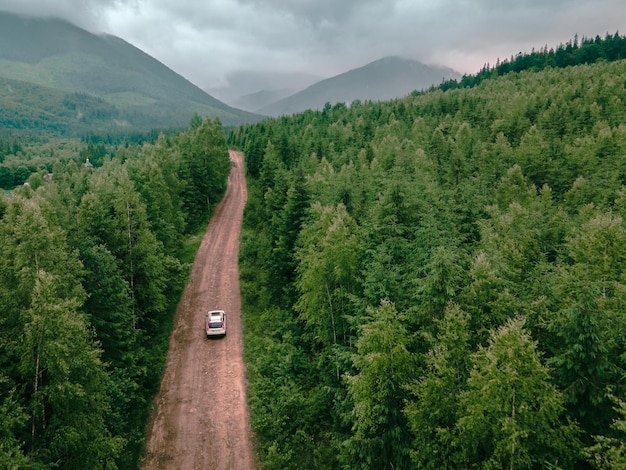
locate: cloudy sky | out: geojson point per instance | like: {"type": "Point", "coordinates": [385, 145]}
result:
{"type": "Point", "coordinates": [208, 40]}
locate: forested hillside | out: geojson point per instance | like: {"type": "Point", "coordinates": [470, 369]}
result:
{"type": "Point", "coordinates": [57, 78]}
{"type": "Point", "coordinates": [440, 281]}
{"type": "Point", "coordinates": [93, 262]}
{"type": "Point", "coordinates": [587, 50]}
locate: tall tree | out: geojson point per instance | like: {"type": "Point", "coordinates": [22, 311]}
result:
{"type": "Point", "coordinates": [442, 280]}
{"type": "Point", "coordinates": [283, 261]}
{"type": "Point", "coordinates": [433, 410]}
{"type": "Point", "coordinates": [511, 412]}
{"type": "Point", "coordinates": [66, 381]}
{"type": "Point", "coordinates": [155, 172]}
{"type": "Point", "coordinates": [590, 321]}
{"type": "Point", "coordinates": [49, 352]}
{"type": "Point", "coordinates": [204, 168]}
{"type": "Point", "coordinates": [328, 254]}
{"type": "Point", "coordinates": [384, 365]}
{"type": "Point", "coordinates": [113, 215]}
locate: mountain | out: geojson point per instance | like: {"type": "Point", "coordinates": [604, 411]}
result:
{"type": "Point", "coordinates": [122, 87]}
{"type": "Point", "coordinates": [260, 99]}
{"type": "Point", "coordinates": [384, 79]}
{"type": "Point", "coordinates": [251, 89]}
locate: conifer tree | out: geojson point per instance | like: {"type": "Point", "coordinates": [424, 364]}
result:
{"type": "Point", "coordinates": [328, 255]}
{"type": "Point", "coordinates": [384, 367]}
{"type": "Point", "coordinates": [433, 408]}
{"type": "Point", "coordinates": [50, 356]}
{"type": "Point", "coordinates": [510, 414]}
{"type": "Point", "coordinates": [590, 322]}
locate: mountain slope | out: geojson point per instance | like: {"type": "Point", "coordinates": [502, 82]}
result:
{"type": "Point", "coordinates": [252, 89]}
{"type": "Point", "coordinates": [262, 98]}
{"type": "Point", "coordinates": [384, 79]}
{"type": "Point", "coordinates": [56, 54]}
{"type": "Point", "coordinates": [27, 107]}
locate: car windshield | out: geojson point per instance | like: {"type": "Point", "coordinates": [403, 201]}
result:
{"type": "Point", "coordinates": [215, 324]}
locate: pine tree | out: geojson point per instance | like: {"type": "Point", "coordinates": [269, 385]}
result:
{"type": "Point", "coordinates": [589, 325]}
{"type": "Point", "coordinates": [510, 414]}
{"type": "Point", "coordinates": [384, 365]}
{"type": "Point", "coordinates": [433, 409]}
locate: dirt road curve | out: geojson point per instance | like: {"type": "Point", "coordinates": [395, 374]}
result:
{"type": "Point", "coordinates": [200, 418]}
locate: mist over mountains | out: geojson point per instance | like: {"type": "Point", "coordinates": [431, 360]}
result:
{"type": "Point", "coordinates": [58, 77]}
{"type": "Point", "coordinates": [381, 80]}
{"type": "Point", "coordinates": [280, 94]}
{"type": "Point", "coordinates": [251, 90]}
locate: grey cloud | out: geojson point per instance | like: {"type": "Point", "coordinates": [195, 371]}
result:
{"type": "Point", "coordinates": [317, 12]}
{"type": "Point", "coordinates": [208, 40]}
{"type": "Point", "coordinates": [83, 13]}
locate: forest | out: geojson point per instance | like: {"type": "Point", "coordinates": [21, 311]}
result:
{"type": "Point", "coordinates": [575, 52]}
{"type": "Point", "coordinates": [432, 282]}
{"type": "Point", "coordinates": [440, 281]}
{"type": "Point", "coordinates": [94, 260]}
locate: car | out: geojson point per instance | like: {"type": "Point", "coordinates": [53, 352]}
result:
{"type": "Point", "coordinates": [215, 323]}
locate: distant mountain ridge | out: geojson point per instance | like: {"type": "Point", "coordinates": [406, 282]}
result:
{"type": "Point", "coordinates": [381, 80]}
{"type": "Point", "coordinates": [262, 98]}
{"type": "Point", "coordinates": [144, 93]}
{"type": "Point", "coordinates": [252, 89]}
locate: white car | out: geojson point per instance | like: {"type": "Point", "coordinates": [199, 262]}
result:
{"type": "Point", "coordinates": [215, 323]}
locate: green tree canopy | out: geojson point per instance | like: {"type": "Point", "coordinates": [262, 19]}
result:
{"type": "Point", "coordinates": [511, 412]}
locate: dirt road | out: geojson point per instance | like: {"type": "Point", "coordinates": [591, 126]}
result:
{"type": "Point", "coordinates": [200, 418]}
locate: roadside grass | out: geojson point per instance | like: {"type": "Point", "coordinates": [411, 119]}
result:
{"type": "Point", "coordinates": [190, 246]}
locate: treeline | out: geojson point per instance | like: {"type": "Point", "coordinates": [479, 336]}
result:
{"type": "Point", "coordinates": [33, 110]}
{"type": "Point", "coordinates": [440, 281]}
{"type": "Point", "coordinates": [9, 147]}
{"type": "Point", "coordinates": [587, 51]}
{"type": "Point", "coordinates": [30, 108]}
{"type": "Point", "coordinates": [22, 156]}
{"type": "Point", "coordinates": [92, 265]}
